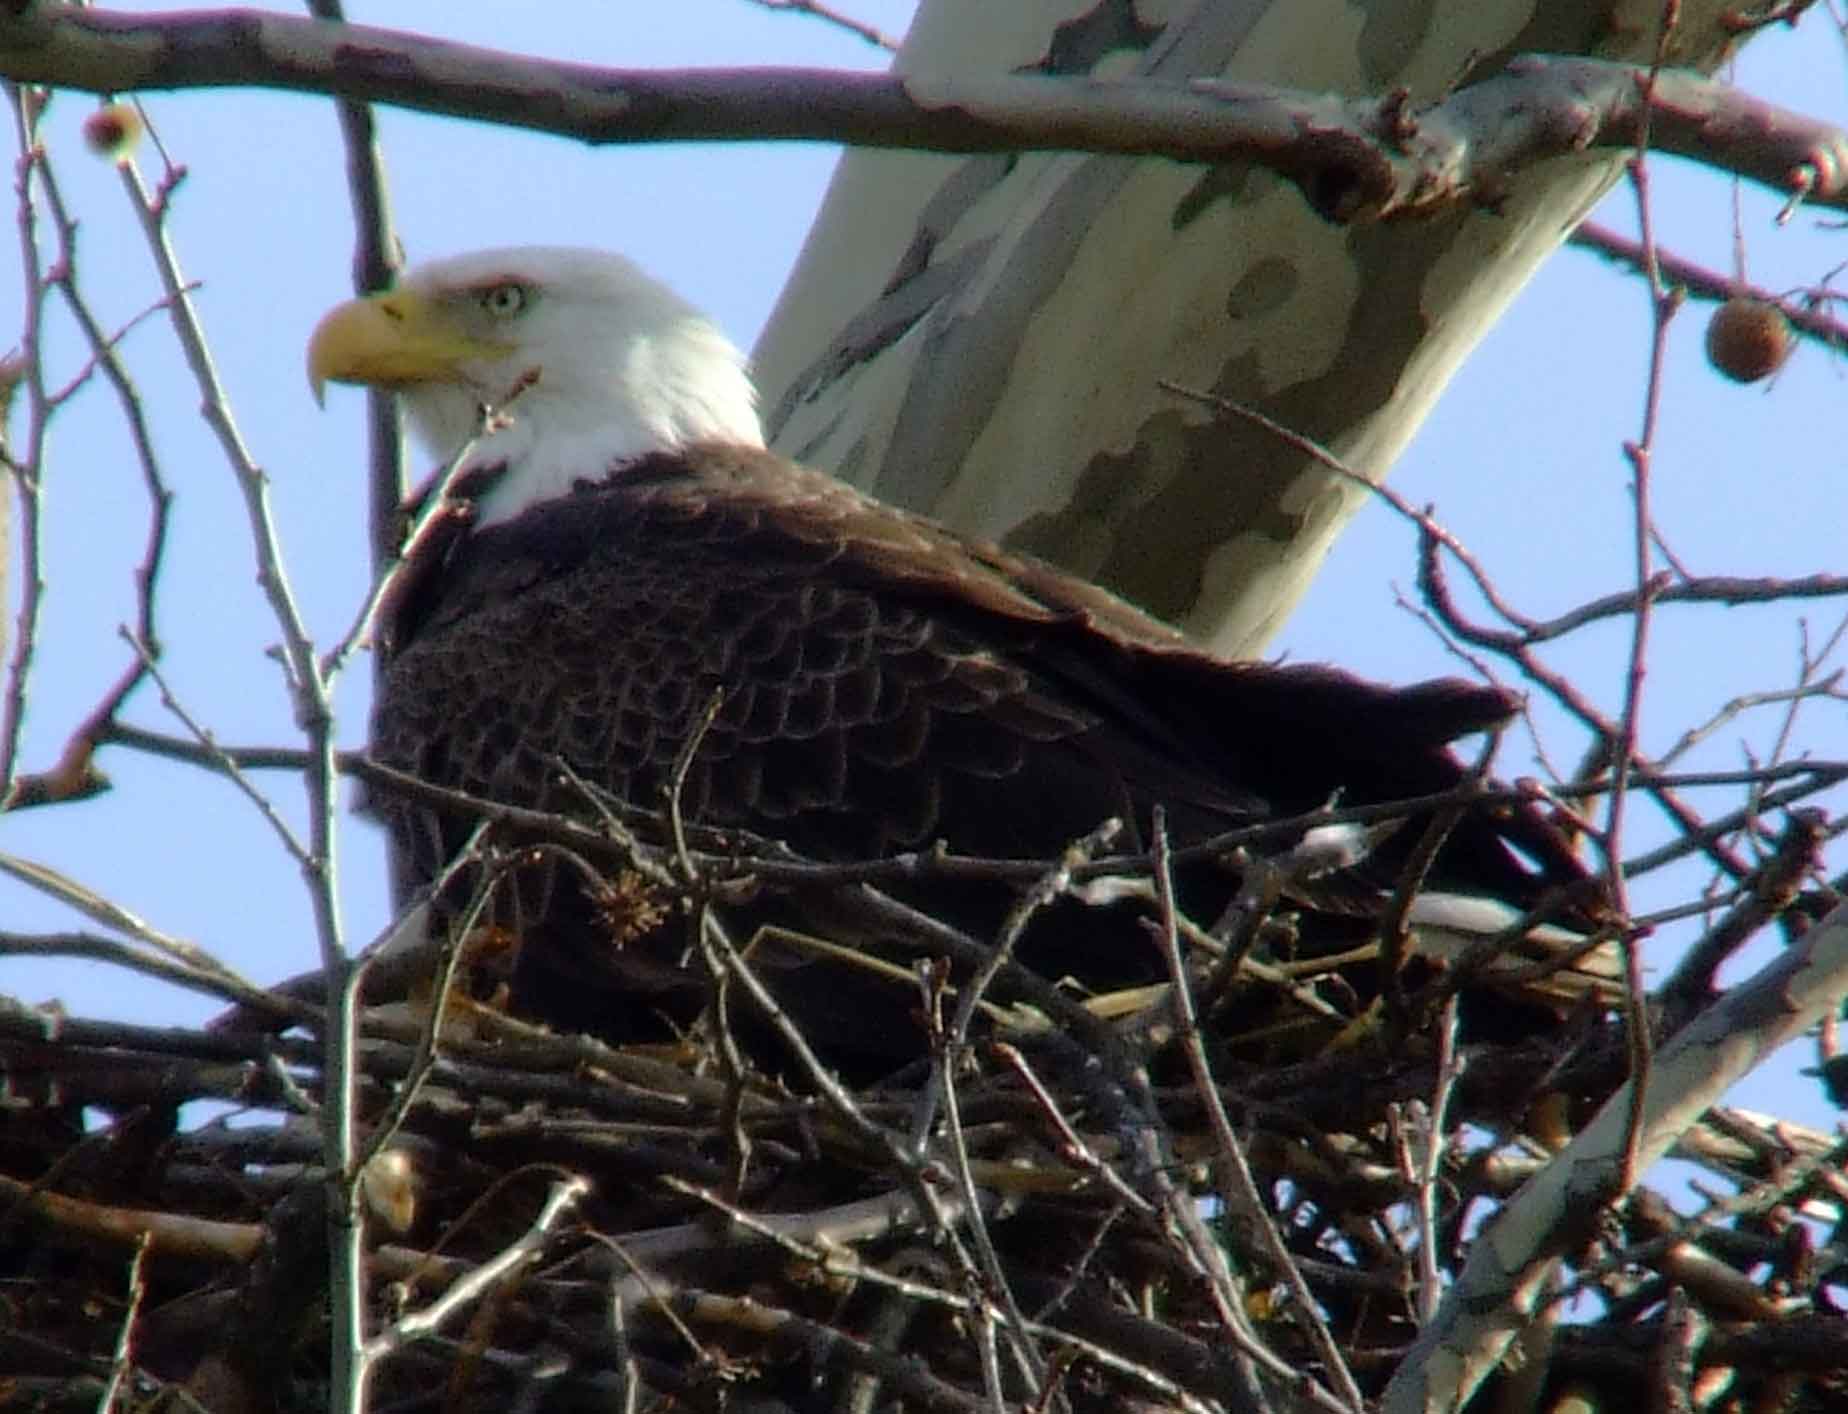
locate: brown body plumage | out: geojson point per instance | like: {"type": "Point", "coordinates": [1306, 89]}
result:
{"type": "Point", "coordinates": [886, 684]}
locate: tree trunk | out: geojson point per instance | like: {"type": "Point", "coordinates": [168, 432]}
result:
{"type": "Point", "coordinates": [982, 338]}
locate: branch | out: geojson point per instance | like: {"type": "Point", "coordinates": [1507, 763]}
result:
{"type": "Point", "coordinates": [375, 263]}
{"type": "Point", "coordinates": [311, 698]}
{"type": "Point", "coordinates": [1354, 159]}
{"type": "Point", "coordinates": [860, 29]}
{"type": "Point", "coordinates": [1805, 309]}
{"type": "Point", "coordinates": [1706, 589]}
{"type": "Point", "coordinates": [166, 1234]}
{"type": "Point", "coordinates": [481, 1279]}
{"type": "Point", "coordinates": [216, 983]}
{"type": "Point", "coordinates": [1512, 1262]}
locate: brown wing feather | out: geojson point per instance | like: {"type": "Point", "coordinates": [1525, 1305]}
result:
{"type": "Point", "coordinates": [887, 681]}
{"type": "Point", "coordinates": [598, 630]}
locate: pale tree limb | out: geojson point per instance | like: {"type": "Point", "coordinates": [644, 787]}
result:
{"type": "Point", "coordinates": [1354, 158]}
{"type": "Point", "coordinates": [983, 338]}
{"type": "Point", "coordinates": [1511, 1263]}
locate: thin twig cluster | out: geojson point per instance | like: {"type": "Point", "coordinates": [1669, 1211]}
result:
{"type": "Point", "coordinates": [1124, 1201]}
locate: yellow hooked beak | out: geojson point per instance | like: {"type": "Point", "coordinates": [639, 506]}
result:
{"type": "Point", "coordinates": [394, 340]}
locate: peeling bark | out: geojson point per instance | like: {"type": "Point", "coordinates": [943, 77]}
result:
{"type": "Point", "coordinates": [982, 338]}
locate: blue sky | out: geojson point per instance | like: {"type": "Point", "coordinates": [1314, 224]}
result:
{"type": "Point", "coordinates": [1522, 457]}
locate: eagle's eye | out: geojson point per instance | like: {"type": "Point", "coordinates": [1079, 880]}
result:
{"type": "Point", "coordinates": [505, 300]}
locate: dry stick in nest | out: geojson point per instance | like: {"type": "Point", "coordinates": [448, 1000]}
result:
{"type": "Point", "coordinates": [948, 1047]}
{"type": "Point", "coordinates": [450, 959]}
{"type": "Point", "coordinates": [727, 957]}
{"type": "Point", "coordinates": [837, 1098]}
{"type": "Point", "coordinates": [1239, 1188]}
{"type": "Point", "coordinates": [708, 1239]}
{"type": "Point", "coordinates": [831, 1256]}
{"type": "Point", "coordinates": [719, 850]}
{"type": "Point", "coordinates": [485, 1276]}
{"type": "Point", "coordinates": [703, 928]}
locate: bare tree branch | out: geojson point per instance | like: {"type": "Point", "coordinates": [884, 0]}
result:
{"type": "Point", "coordinates": [375, 262]}
{"type": "Point", "coordinates": [1354, 159]}
{"type": "Point", "coordinates": [1513, 1259]}
{"type": "Point", "coordinates": [1806, 309]}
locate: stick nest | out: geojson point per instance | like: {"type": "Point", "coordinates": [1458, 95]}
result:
{"type": "Point", "coordinates": [1114, 1207]}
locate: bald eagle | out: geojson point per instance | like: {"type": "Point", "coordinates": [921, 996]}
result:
{"type": "Point", "coordinates": [635, 553]}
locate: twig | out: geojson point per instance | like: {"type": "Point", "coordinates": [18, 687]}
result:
{"type": "Point", "coordinates": [1807, 315]}
{"type": "Point", "coordinates": [26, 473]}
{"type": "Point", "coordinates": [1429, 1169]}
{"type": "Point", "coordinates": [683, 763]}
{"type": "Point", "coordinates": [908, 1378]}
{"type": "Point", "coordinates": [776, 864]}
{"type": "Point", "coordinates": [828, 1256]}
{"type": "Point", "coordinates": [1700, 589]}
{"type": "Point", "coordinates": [1772, 889]}
{"type": "Point", "coordinates": [212, 981]}
{"type": "Point", "coordinates": [1684, 1330]}
{"type": "Point", "coordinates": [122, 1359]}
{"type": "Point", "coordinates": [312, 706]}
{"type": "Point", "coordinates": [55, 884]}
{"type": "Point", "coordinates": [484, 1277]}
{"type": "Point", "coordinates": [1394, 932]}
{"type": "Point", "coordinates": [387, 1126]}
{"type": "Point", "coordinates": [1808, 665]}
{"type": "Point", "coordinates": [999, 1291]}
{"type": "Point", "coordinates": [1433, 585]}
{"type": "Point", "coordinates": [1240, 1187]}
{"type": "Point", "coordinates": [1734, 707]}
{"type": "Point", "coordinates": [228, 767]}
{"type": "Point", "coordinates": [862, 29]}
{"type": "Point", "coordinates": [395, 561]}
{"type": "Point", "coordinates": [1664, 301]}
{"type": "Point", "coordinates": [1041, 894]}
{"type": "Point", "coordinates": [1072, 1143]}
{"type": "Point", "coordinates": [314, 715]}
{"type": "Point", "coordinates": [1426, 522]}
{"type": "Point", "coordinates": [375, 260]}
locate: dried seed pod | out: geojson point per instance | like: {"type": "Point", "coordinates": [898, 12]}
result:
{"type": "Point", "coordinates": [112, 131]}
{"type": "Point", "coordinates": [1748, 339]}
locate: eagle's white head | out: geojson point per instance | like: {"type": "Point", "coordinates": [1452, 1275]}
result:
{"type": "Point", "coordinates": [593, 362]}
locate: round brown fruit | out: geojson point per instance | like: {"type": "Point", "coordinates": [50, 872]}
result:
{"type": "Point", "coordinates": [111, 131]}
{"type": "Point", "coordinates": [1748, 339]}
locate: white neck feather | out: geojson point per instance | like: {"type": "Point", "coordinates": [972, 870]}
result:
{"type": "Point", "coordinates": [624, 367]}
